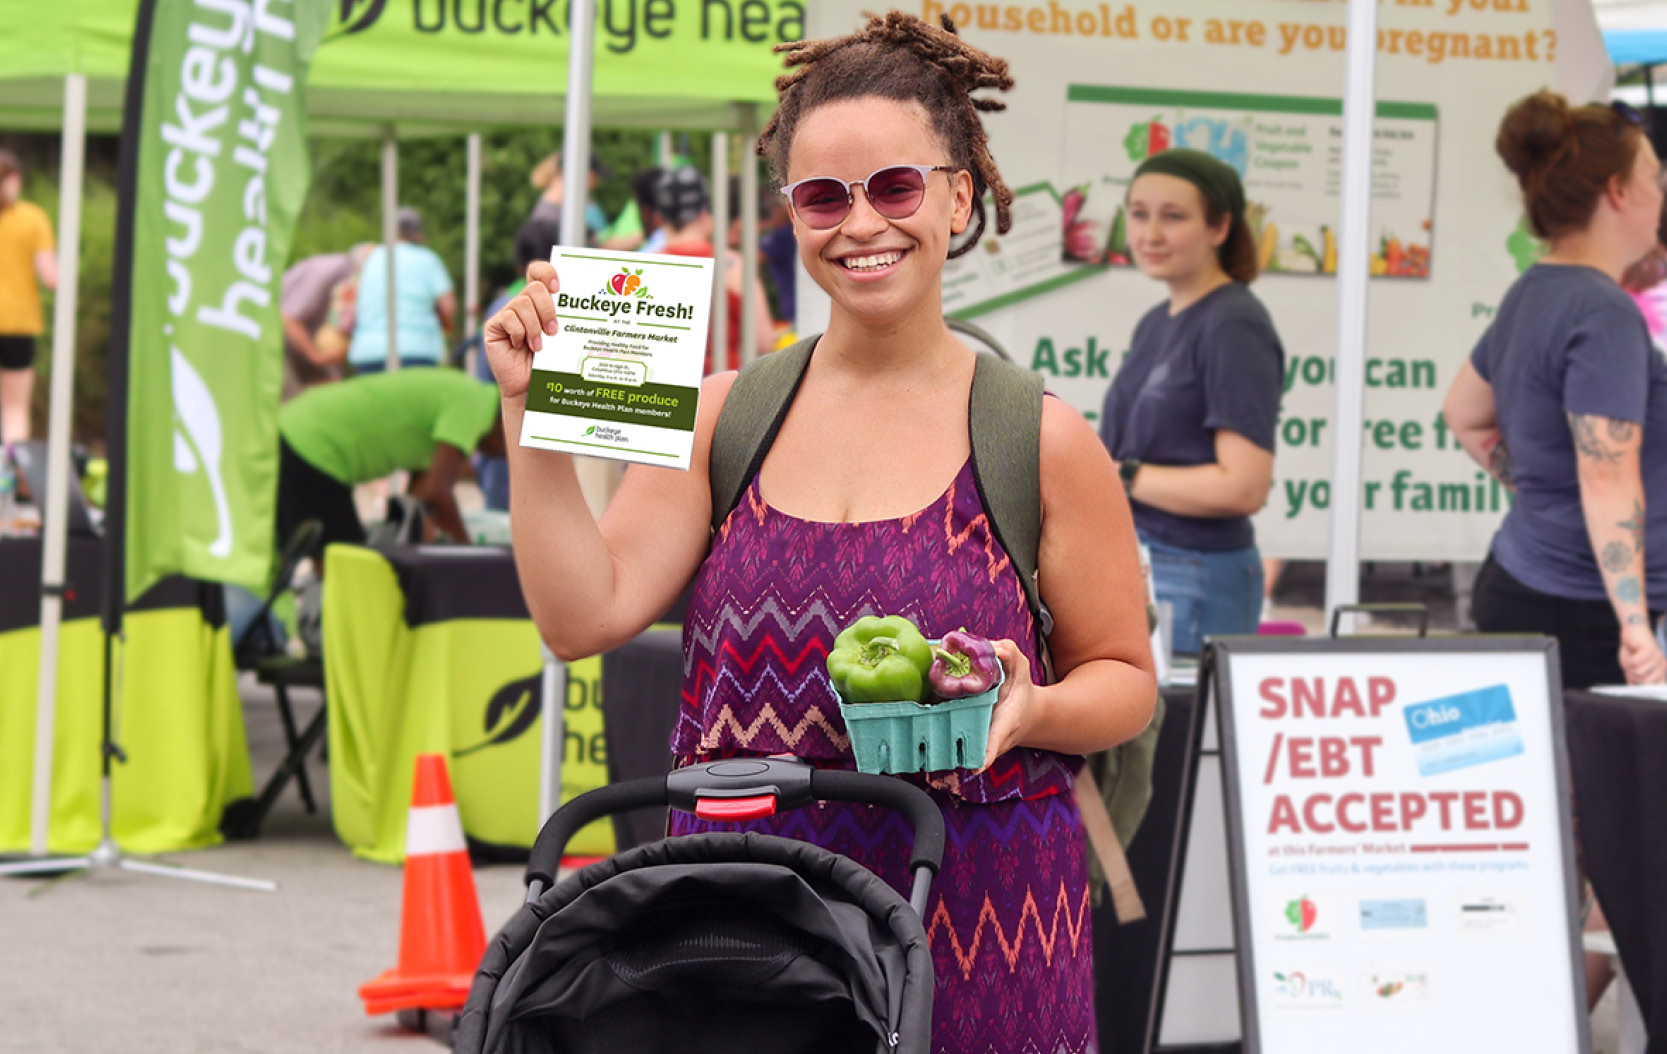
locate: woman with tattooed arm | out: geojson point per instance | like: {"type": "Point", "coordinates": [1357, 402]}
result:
{"type": "Point", "coordinates": [1564, 399]}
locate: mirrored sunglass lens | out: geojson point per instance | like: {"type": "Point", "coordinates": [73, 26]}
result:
{"type": "Point", "coordinates": [896, 191]}
{"type": "Point", "coordinates": [821, 201]}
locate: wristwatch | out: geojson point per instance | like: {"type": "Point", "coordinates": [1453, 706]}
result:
{"type": "Point", "coordinates": [1127, 469]}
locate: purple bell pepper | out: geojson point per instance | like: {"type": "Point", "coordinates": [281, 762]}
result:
{"type": "Point", "coordinates": [963, 664]}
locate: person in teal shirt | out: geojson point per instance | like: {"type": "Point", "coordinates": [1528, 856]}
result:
{"type": "Point", "coordinates": [425, 421]}
{"type": "Point", "coordinates": [425, 305]}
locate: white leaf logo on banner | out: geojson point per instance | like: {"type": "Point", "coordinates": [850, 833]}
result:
{"type": "Point", "coordinates": [199, 446]}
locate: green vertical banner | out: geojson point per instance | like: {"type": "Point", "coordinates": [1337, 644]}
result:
{"type": "Point", "coordinates": [221, 175]}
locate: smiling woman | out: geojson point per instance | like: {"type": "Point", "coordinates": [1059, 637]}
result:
{"type": "Point", "coordinates": [863, 501]}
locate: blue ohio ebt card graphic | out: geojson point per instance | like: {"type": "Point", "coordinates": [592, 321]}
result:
{"type": "Point", "coordinates": [1459, 731]}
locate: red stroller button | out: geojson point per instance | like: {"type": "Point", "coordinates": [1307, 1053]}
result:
{"type": "Point", "coordinates": [731, 809]}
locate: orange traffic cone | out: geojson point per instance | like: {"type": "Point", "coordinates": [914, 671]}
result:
{"type": "Point", "coordinates": [441, 937]}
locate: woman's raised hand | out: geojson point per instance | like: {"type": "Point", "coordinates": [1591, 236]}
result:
{"type": "Point", "coordinates": [516, 333]}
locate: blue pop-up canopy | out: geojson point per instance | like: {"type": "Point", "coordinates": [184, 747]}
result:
{"type": "Point", "coordinates": [1634, 31]}
{"type": "Point", "coordinates": [1629, 47]}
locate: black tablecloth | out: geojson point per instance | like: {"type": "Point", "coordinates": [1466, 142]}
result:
{"type": "Point", "coordinates": [1126, 957]}
{"type": "Point", "coordinates": [443, 582]}
{"type": "Point", "coordinates": [1618, 758]}
{"type": "Point", "coordinates": [20, 585]}
{"type": "Point", "coordinates": [641, 685]}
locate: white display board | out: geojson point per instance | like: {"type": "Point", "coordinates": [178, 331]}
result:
{"type": "Point", "coordinates": [1399, 838]}
{"type": "Point", "coordinates": [1099, 86]}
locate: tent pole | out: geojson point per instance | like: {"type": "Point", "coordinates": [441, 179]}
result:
{"type": "Point", "coordinates": [718, 349]}
{"type": "Point", "coordinates": [575, 147]}
{"type": "Point", "coordinates": [390, 236]}
{"type": "Point", "coordinates": [575, 175]}
{"type": "Point", "coordinates": [1354, 224]}
{"type": "Point", "coordinates": [471, 248]}
{"type": "Point", "coordinates": [663, 150]}
{"type": "Point", "coordinates": [54, 521]}
{"type": "Point", "coordinates": [749, 233]}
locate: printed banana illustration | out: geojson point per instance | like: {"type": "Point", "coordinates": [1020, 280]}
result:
{"type": "Point", "coordinates": [1328, 251]}
{"type": "Point", "coordinates": [1264, 251]}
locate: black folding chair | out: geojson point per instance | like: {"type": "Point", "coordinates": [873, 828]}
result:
{"type": "Point", "coordinates": [257, 650]}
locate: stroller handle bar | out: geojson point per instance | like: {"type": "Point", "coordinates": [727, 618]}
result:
{"type": "Point", "coordinates": [738, 789]}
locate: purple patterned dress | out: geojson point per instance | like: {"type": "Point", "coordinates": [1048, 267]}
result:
{"type": "Point", "coordinates": [1009, 915]}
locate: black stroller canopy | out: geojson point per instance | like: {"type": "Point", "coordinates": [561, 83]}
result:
{"type": "Point", "coordinates": [717, 942]}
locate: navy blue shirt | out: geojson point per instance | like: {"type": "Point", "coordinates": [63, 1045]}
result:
{"type": "Point", "coordinates": [1218, 364]}
{"type": "Point", "coordinates": [1568, 340]}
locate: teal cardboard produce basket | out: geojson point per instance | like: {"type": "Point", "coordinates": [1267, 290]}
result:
{"type": "Point", "coordinates": [912, 737]}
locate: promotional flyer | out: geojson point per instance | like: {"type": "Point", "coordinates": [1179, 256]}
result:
{"type": "Point", "coordinates": [621, 378]}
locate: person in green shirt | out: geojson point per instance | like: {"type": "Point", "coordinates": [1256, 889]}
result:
{"type": "Point", "coordinates": [425, 420]}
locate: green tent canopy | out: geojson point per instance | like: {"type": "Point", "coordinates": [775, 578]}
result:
{"type": "Point", "coordinates": [430, 67]}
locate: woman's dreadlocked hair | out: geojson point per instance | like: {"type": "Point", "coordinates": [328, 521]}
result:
{"type": "Point", "coordinates": [903, 58]}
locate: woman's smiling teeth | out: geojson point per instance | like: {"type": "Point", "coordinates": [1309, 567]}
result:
{"type": "Point", "coordinates": [870, 263]}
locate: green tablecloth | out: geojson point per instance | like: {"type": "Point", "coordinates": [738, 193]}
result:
{"type": "Point", "coordinates": [431, 650]}
{"type": "Point", "coordinates": [177, 711]}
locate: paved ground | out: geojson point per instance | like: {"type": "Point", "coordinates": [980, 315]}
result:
{"type": "Point", "coordinates": [124, 962]}
{"type": "Point", "coordinates": [115, 961]}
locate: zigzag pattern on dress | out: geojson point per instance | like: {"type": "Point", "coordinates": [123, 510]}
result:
{"type": "Point", "coordinates": [1012, 947]}
{"type": "Point", "coordinates": [726, 729]}
{"type": "Point", "coordinates": [733, 621]}
{"type": "Point", "coordinates": [995, 559]}
{"type": "Point", "coordinates": [871, 829]}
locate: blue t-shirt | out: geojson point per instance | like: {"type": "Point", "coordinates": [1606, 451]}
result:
{"type": "Point", "coordinates": [1218, 364]}
{"type": "Point", "coordinates": [420, 278]}
{"type": "Point", "coordinates": [1568, 340]}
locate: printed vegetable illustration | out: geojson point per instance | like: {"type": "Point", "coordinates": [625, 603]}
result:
{"type": "Point", "coordinates": [626, 282]}
{"type": "Point", "coordinates": [1117, 243]}
{"type": "Point", "coordinates": [1524, 248]}
{"type": "Point", "coordinates": [1072, 204]}
{"type": "Point", "coordinates": [1082, 240]}
{"type": "Point", "coordinates": [963, 664]}
{"type": "Point", "coordinates": [1398, 259]}
{"type": "Point", "coordinates": [1302, 245]}
{"type": "Point", "coordinates": [1264, 248]}
{"type": "Point", "coordinates": [880, 659]}
{"type": "Point", "coordinates": [1387, 990]}
{"type": "Point", "coordinates": [1146, 139]}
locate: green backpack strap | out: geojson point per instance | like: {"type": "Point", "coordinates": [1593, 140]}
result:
{"type": "Point", "coordinates": [1005, 424]}
{"type": "Point", "coordinates": [752, 415]}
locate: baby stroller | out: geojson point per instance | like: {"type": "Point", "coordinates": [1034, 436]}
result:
{"type": "Point", "coordinates": [724, 941]}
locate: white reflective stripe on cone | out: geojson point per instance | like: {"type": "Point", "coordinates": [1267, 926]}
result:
{"type": "Point", "coordinates": [434, 829]}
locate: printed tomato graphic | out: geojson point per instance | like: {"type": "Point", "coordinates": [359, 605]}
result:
{"type": "Point", "coordinates": [625, 282]}
{"type": "Point", "coordinates": [1147, 138]}
{"type": "Point", "coordinates": [1302, 912]}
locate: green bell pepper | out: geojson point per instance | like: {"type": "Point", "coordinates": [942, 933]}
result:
{"type": "Point", "coordinates": [880, 660]}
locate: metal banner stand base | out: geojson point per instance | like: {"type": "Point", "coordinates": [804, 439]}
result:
{"type": "Point", "coordinates": [108, 856]}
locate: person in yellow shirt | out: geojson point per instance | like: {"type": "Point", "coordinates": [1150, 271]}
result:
{"type": "Point", "coordinates": [26, 263]}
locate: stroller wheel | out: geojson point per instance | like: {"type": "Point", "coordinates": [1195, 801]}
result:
{"type": "Point", "coordinates": [435, 1024]}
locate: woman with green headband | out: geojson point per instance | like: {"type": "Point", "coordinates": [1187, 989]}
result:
{"type": "Point", "coordinates": [1191, 415]}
